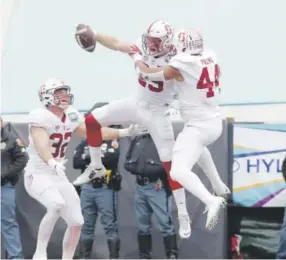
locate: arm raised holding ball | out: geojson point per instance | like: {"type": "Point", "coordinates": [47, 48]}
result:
{"type": "Point", "coordinates": [87, 39]}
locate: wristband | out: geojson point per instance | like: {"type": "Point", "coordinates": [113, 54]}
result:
{"type": "Point", "coordinates": [154, 76]}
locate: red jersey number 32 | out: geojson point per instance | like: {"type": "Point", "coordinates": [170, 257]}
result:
{"type": "Point", "coordinates": [60, 143]}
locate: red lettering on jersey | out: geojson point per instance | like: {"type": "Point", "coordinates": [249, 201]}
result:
{"type": "Point", "coordinates": [60, 144]}
{"type": "Point", "coordinates": [207, 61]}
{"type": "Point", "coordinates": [156, 86]}
{"type": "Point", "coordinates": [205, 82]}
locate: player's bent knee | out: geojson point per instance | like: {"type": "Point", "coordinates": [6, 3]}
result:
{"type": "Point", "coordinates": [76, 221]}
{"type": "Point", "coordinates": [80, 221]}
{"type": "Point", "coordinates": [101, 114]}
{"type": "Point", "coordinates": [178, 172]}
{"type": "Point", "coordinates": [174, 175]}
{"type": "Point", "coordinates": [56, 206]}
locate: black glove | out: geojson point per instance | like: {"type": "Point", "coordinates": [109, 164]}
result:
{"type": "Point", "coordinates": [115, 182]}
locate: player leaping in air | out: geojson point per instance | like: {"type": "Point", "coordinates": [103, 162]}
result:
{"type": "Point", "coordinates": [147, 108]}
{"type": "Point", "coordinates": [196, 73]}
{"type": "Point", "coordinates": [50, 130]}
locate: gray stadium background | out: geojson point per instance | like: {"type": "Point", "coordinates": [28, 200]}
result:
{"type": "Point", "coordinates": [202, 244]}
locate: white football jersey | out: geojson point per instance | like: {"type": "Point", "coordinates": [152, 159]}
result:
{"type": "Point", "coordinates": [59, 131]}
{"type": "Point", "coordinates": [158, 92]}
{"type": "Point", "coordinates": [199, 92]}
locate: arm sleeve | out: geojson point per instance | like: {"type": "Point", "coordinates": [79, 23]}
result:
{"type": "Point", "coordinates": [181, 63]}
{"type": "Point", "coordinates": [177, 63]}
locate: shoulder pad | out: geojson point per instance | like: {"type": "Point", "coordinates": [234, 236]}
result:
{"type": "Point", "coordinates": [39, 117]}
{"type": "Point", "coordinates": [183, 58]}
{"type": "Point", "coordinates": [74, 115]}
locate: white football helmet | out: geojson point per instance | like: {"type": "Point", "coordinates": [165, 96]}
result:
{"type": "Point", "coordinates": [157, 40]}
{"type": "Point", "coordinates": [189, 40]}
{"type": "Point", "coordinates": [50, 94]}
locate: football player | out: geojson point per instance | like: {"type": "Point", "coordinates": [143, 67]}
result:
{"type": "Point", "coordinates": [196, 73]}
{"type": "Point", "coordinates": [147, 108]}
{"type": "Point", "coordinates": [50, 131]}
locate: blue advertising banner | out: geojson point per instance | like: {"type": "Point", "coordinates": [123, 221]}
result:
{"type": "Point", "coordinates": [258, 152]}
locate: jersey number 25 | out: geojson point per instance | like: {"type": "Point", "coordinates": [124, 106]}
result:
{"type": "Point", "coordinates": [205, 82]}
{"type": "Point", "coordinates": [156, 86]}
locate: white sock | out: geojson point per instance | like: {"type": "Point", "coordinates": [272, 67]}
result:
{"type": "Point", "coordinates": [95, 156]}
{"type": "Point", "coordinates": [179, 196]}
{"type": "Point", "coordinates": [45, 231]}
{"type": "Point", "coordinates": [70, 241]}
{"type": "Point", "coordinates": [191, 182]}
{"type": "Point", "coordinates": [207, 164]}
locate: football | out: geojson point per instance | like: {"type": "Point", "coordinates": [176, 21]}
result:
{"type": "Point", "coordinates": [84, 38]}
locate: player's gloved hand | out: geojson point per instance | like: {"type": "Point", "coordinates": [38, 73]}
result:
{"type": "Point", "coordinates": [172, 112]}
{"type": "Point", "coordinates": [140, 74]}
{"type": "Point", "coordinates": [58, 167]}
{"type": "Point", "coordinates": [136, 129]}
{"type": "Point", "coordinates": [133, 130]}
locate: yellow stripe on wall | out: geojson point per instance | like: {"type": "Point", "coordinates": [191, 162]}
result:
{"type": "Point", "coordinates": [238, 146]}
{"type": "Point", "coordinates": [255, 185]}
